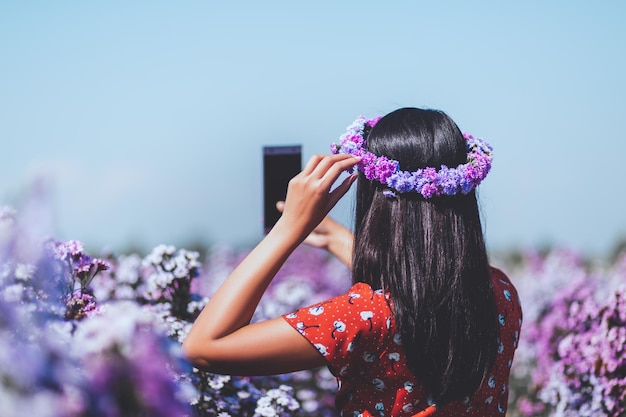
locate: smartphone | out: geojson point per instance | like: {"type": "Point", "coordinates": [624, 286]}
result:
{"type": "Point", "coordinates": [280, 164]}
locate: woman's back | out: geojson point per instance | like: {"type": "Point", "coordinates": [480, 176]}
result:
{"type": "Point", "coordinates": [357, 335]}
{"type": "Point", "coordinates": [418, 236]}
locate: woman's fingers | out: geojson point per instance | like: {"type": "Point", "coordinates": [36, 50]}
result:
{"type": "Point", "coordinates": [341, 190]}
{"type": "Point", "coordinates": [318, 165]}
{"type": "Point", "coordinates": [309, 195]}
{"type": "Point", "coordinates": [320, 173]}
{"type": "Point", "coordinates": [328, 168]}
{"type": "Point", "coordinates": [311, 164]}
{"type": "Point", "coordinates": [335, 170]}
{"type": "Point", "coordinates": [328, 162]}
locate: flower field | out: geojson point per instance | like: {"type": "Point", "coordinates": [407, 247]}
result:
{"type": "Point", "coordinates": [85, 336]}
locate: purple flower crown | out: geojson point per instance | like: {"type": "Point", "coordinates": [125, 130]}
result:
{"type": "Point", "coordinates": [429, 182]}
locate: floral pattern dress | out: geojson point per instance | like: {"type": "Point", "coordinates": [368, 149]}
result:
{"type": "Point", "coordinates": [356, 333]}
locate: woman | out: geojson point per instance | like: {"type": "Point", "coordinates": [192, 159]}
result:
{"type": "Point", "coordinates": [428, 326]}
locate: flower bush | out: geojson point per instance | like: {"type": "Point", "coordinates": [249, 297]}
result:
{"type": "Point", "coordinates": [62, 354]}
{"type": "Point", "coordinates": [84, 336]}
{"type": "Point", "coordinates": [571, 360]}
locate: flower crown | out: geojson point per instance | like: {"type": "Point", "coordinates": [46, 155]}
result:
{"type": "Point", "coordinates": [429, 182]}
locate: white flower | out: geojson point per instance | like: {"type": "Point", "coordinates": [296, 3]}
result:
{"type": "Point", "coordinates": [128, 269]}
{"type": "Point", "coordinates": [7, 214]}
{"type": "Point", "coordinates": [196, 306]}
{"type": "Point", "coordinates": [283, 400]}
{"type": "Point", "coordinates": [180, 272]}
{"type": "Point", "coordinates": [24, 272]}
{"type": "Point", "coordinates": [5, 271]}
{"type": "Point", "coordinates": [305, 394]}
{"type": "Point", "coordinates": [157, 255]}
{"type": "Point", "coordinates": [218, 381]}
{"type": "Point", "coordinates": [13, 293]}
{"type": "Point", "coordinates": [168, 264]}
{"type": "Point", "coordinates": [310, 406]}
{"type": "Point", "coordinates": [103, 285]}
{"type": "Point", "coordinates": [124, 292]}
{"type": "Point", "coordinates": [116, 326]}
{"type": "Point", "coordinates": [265, 411]}
{"type": "Point", "coordinates": [291, 292]}
{"type": "Point", "coordinates": [158, 280]}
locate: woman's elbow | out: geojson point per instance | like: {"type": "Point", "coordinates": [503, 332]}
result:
{"type": "Point", "coordinates": [192, 352]}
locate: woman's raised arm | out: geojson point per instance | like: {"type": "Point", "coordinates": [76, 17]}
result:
{"type": "Point", "coordinates": [221, 339]}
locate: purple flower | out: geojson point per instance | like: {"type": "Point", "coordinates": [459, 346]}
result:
{"type": "Point", "coordinates": [372, 122]}
{"type": "Point", "coordinates": [79, 306]}
{"type": "Point", "coordinates": [429, 190]}
{"type": "Point", "coordinates": [471, 174]}
{"type": "Point", "coordinates": [66, 250]}
{"type": "Point", "coordinates": [573, 348]}
{"type": "Point", "coordinates": [139, 359]}
{"type": "Point", "coordinates": [349, 147]}
{"type": "Point", "coordinates": [427, 181]}
{"type": "Point", "coordinates": [448, 180]}
{"type": "Point", "coordinates": [367, 158]}
{"type": "Point", "coordinates": [402, 181]}
{"type": "Point", "coordinates": [389, 193]}
{"type": "Point", "coordinates": [430, 174]}
{"type": "Point", "coordinates": [384, 168]}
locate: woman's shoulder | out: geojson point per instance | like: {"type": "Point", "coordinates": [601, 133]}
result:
{"type": "Point", "coordinates": [363, 291]}
{"type": "Point", "coordinates": [363, 288]}
{"type": "Point", "coordinates": [497, 273]}
{"type": "Point", "coordinates": [500, 279]}
{"type": "Point", "coordinates": [505, 292]}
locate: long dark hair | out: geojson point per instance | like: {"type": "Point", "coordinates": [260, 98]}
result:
{"type": "Point", "coordinates": [430, 256]}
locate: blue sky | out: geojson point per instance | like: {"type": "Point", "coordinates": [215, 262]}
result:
{"type": "Point", "coordinates": [147, 119]}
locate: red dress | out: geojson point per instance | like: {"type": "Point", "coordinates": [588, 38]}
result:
{"type": "Point", "coordinates": [357, 335]}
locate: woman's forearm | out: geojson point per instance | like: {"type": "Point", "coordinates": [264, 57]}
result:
{"type": "Point", "coordinates": [234, 303]}
{"type": "Point", "coordinates": [340, 242]}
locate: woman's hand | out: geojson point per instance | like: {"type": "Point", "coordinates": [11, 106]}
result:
{"type": "Point", "coordinates": [330, 235]}
{"type": "Point", "coordinates": [309, 195]}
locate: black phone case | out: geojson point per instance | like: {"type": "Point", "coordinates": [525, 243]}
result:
{"type": "Point", "coordinates": [280, 164]}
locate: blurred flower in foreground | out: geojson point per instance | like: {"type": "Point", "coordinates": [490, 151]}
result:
{"type": "Point", "coordinates": [131, 370]}
{"type": "Point", "coordinates": [114, 362]}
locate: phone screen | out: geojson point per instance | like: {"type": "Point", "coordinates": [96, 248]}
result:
{"type": "Point", "coordinates": [280, 164]}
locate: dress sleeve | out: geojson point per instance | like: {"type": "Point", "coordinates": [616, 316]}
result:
{"type": "Point", "coordinates": [510, 320]}
{"type": "Point", "coordinates": [346, 327]}
{"type": "Point", "coordinates": [509, 304]}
